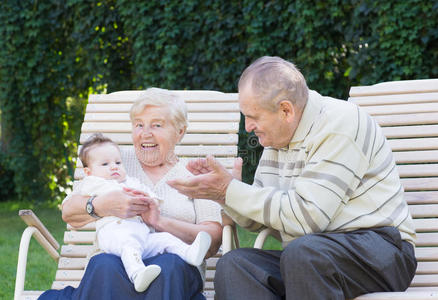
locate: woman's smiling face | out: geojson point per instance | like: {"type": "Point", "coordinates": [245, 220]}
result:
{"type": "Point", "coordinates": [154, 136]}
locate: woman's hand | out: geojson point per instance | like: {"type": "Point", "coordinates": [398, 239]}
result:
{"type": "Point", "coordinates": [123, 204]}
{"type": "Point", "coordinates": [152, 215]}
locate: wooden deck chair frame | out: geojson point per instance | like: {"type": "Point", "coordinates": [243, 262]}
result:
{"type": "Point", "coordinates": [213, 129]}
{"type": "Point", "coordinates": [407, 111]}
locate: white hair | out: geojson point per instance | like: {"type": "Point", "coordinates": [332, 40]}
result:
{"type": "Point", "coordinates": [162, 98]}
{"type": "Point", "coordinates": [273, 80]}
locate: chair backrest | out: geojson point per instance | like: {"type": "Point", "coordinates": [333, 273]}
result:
{"type": "Point", "coordinates": [408, 113]}
{"type": "Point", "coordinates": [213, 129]}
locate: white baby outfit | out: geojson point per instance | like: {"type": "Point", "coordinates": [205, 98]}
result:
{"type": "Point", "coordinates": [131, 238]}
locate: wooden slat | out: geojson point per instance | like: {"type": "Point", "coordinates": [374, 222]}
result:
{"type": "Point", "coordinates": [191, 107]}
{"type": "Point", "coordinates": [420, 184]}
{"type": "Point", "coordinates": [59, 285]}
{"type": "Point", "coordinates": [227, 162]}
{"type": "Point", "coordinates": [198, 151]}
{"type": "Point", "coordinates": [209, 275]}
{"type": "Point", "coordinates": [69, 275]}
{"type": "Point", "coordinates": [407, 119]}
{"type": "Point", "coordinates": [424, 210]}
{"type": "Point", "coordinates": [421, 170]}
{"type": "Point", "coordinates": [427, 239]}
{"type": "Point", "coordinates": [416, 157]}
{"type": "Point", "coordinates": [76, 250]}
{"type": "Point", "coordinates": [30, 295]}
{"type": "Point", "coordinates": [417, 289]}
{"type": "Point", "coordinates": [413, 108]}
{"type": "Point", "coordinates": [209, 285]}
{"type": "Point", "coordinates": [396, 87]}
{"type": "Point", "coordinates": [394, 99]}
{"type": "Point", "coordinates": [426, 253]}
{"type": "Point", "coordinates": [192, 117]}
{"type": "Point", "coordinates": [209, 295]}
{"type": "Point", "coordinates": [72, 263]}
{"type": "Point", "coordinates": [425, 280]}
{"type": "Point", "coordinates": [89, 226]}
{"type": "Point", "coordinates": [413, 144]}
{"type": "Point", "coordinates": [411, 131]}
{"type": "Point", "coordinates": [423, 197]}
{"type": "Point", "coordinates": [188, 96]}
{"type": "Point", "coordinates": [426, 225]}
{"type": "Point", "coordinates": [194, 127]}
{"type": "Point", "coordinates": [420, 294]}
{"type": "Point", "coordinates": [201, 151]}
{"type": "Point", "coordinates": [188, 139]}
{"type": "Point", "coordinates": [430, 267]}
{"type": "Point", "coordinates": [211, 262]}
{"type": "Point", "coordinates": [79, 237]}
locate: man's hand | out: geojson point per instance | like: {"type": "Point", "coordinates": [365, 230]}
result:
{"type": "Point", "coordinates": [211, 180]}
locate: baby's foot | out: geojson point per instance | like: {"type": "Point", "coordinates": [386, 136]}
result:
{"type": "Point", "coordinates": [145, 276]}
{"type": "Point", "coordinates": [198, 249]}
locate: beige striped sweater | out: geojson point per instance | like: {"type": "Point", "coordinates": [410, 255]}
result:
{"type": "Point", "coordinates": [337, 174]}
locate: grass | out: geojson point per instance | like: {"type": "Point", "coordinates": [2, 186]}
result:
{"type": "Point", "coordinates": [41, 268]}
{"type": "Point", "coordinates": [246, 239]}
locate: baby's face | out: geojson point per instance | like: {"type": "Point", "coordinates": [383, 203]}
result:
{"type": "Point", "coordinates": [105, 161]}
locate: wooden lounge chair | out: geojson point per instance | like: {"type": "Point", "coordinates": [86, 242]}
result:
{"type": "Point", "coordinates": [213, 127]}
{"type": "Point", "coordinates": [408, 113]}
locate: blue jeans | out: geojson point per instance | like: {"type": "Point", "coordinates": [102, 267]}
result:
{"type": "Point", "coordinates": [105, 278]}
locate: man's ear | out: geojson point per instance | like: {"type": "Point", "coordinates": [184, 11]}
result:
{"type": "Point", "coordinates": [87, 171]}
{"type": "Point", "coordinates": [287, 110]}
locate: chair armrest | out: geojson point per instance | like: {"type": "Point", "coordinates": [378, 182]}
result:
{"type": "Point", "coordinates": [230, 239]}
{"type": "Point", "coordinates": [22, 255]}
{"type": "Point", "coordinates": [31, 219]}
{"type": "Point", "coordinates": [261, 237]}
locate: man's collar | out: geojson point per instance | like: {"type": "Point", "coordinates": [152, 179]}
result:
{"type": "Point", "coordinates": [311, 110]}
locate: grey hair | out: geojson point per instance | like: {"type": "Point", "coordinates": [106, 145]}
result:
{"type": "Point", "coordinates": [162, 98]}
{"type": "Point", "coordinates": [273, 80]}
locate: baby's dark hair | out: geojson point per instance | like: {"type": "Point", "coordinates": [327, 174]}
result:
{"type": "Point", "coordinates": [94, 140]}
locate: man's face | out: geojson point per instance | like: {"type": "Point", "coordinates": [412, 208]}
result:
{"type": "Point", "coordinates": [273, 128]}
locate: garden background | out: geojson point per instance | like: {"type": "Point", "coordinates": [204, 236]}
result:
{"type": "Point", "coordinates": [53, 54]}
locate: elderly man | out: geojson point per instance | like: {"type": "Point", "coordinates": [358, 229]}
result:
{"type": "Point", "coordinates": [326, 181]}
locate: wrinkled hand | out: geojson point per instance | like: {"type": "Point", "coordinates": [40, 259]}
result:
{"type": "Point", "coordinates": [123, 204]}
{"type": "Point", "coordinates": [152, 215]}
{"type": "Point", "coordinates": [211, 179]}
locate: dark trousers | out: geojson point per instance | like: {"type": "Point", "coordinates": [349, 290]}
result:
{"type": "Point", "coordinates": [105, 278]}
{"type": "Point", "coordinates": [319, 266]}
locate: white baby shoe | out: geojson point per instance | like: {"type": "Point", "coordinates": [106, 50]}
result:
{"type": "Point", "coordinates": [145, 276]}
{"type": "Point", "coordinates": [198, 249]}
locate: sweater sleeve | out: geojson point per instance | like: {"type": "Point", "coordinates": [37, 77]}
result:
{"type": "Point", "coordinates": [243, 221]}
{"type": "Point", "coordinates": [332, 173]}
{"type": "Point", "coordinates": [207, 211]}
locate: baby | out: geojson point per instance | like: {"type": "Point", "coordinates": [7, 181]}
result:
{"type": "Point", "coordinates": [131, 238]}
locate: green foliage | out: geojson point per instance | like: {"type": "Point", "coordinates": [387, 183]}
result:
{"type": "Point", "coordinates": [54, 53]}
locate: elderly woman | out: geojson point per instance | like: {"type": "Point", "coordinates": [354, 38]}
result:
{"type": "Point", "coordinates": [159, 121]}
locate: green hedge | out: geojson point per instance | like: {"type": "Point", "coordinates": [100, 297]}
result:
{"type": "Point", "coordinates": [54, 53]}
